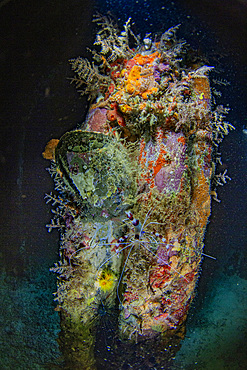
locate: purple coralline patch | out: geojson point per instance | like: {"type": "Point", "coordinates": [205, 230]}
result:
{"type": "Point", "coordinates": [96, 120]}
{"type": "Point", "coordinates": [169, 177]}
{"type": "Point", "coordinates": [69, 220]}
{"type": "Point", "coordinates": [165, 252]}
{"type": "Point", "coordinates": [207, 163]}
{"type": "Point", "coordinates": [159, 69]}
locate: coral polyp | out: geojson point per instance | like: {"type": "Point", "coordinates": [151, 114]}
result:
{"type": "Point", "coordinates": [106, 280]}
{"type": "Point", "coordinates": [135, 185]}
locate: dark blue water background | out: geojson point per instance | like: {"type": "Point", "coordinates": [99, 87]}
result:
{"type": "Point", "coordinates": [36, 41]}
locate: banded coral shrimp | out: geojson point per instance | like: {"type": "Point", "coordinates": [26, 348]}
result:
{"type": "Point", "coordinates": [139, 234]}
{"type": "Point", "coordinates": [155, 281]}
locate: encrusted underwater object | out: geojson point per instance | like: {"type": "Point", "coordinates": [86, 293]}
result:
{"type": "Point", "coordinates": [134, 188]}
